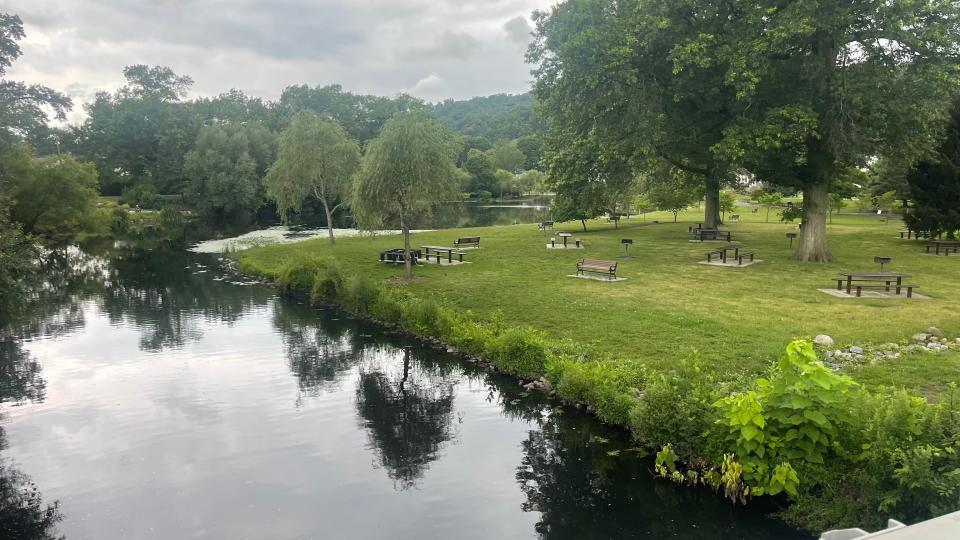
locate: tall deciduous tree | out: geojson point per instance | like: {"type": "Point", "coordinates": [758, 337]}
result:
{"type": "Point", "coordinates": [142, 132]}
{"type": "Point", "coordinates": [935, 186]}
{"type": "Point", "coordinates": [830, 84]}
{"type": "Point", "coordinates": [315, 158]}
{"type": "Point", "coordinates": [622, 73]}
{"type": "Point", "coordinates": [406, 171]}
{"type": "Point", "coordinates": [23, 108]}
{"type": "Point", "coordinates": [224, 177]}
{"type": "Point", "coordinates": [54, 196]}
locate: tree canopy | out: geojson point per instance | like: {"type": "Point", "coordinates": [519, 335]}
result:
{"type": "Point", "coordinates": [405, 172]}
{"type": "Point", "coordinates": [316, 158]}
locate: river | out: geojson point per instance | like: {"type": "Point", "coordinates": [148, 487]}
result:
{"type": "Point", "coordinates": [153, 396]}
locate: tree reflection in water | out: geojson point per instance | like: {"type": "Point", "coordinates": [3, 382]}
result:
{"type": "Point", "coordinates": [23, 514]}
{"type": "Point", "coordinates": [407, 411]}
{"type": "Point", "coordinates": [163, 293]}
{"type": "Point", "coordinates": [320, 347]}
{"type": "Point", "coordinates": [577, 474]}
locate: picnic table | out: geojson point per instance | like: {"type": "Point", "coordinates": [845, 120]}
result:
{"type": "Point", "coordinates": [564, 235]}
{"type": "Point", "coordinates": [544, 225]}
{"type": "Point", "coordinates": [440, 250]}
{"type": "Point", "coordinates": [887, 278]}
{"type": "Point", "coordinates": [946, 245]}
{"type": "Point", "coordinates": [702, 234]}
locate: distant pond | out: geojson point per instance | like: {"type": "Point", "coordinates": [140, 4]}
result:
{"type": "Point", "coordinates": [154, 396]}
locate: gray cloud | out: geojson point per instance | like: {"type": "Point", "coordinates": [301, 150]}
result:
{"type": "Point", "coordinates": [519, 29]}
{"type": "Point", "coordinates": [435, 49]}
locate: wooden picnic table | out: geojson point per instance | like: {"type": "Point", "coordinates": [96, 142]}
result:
{"type": "Point", "coordinates": [440, 250]}
{"type": "Point", "coordinates": [880, 277]}
{"type": "Point", "coordinates": [946, 245]}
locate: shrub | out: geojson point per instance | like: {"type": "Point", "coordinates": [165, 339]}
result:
{"type": "Point", "coordinates": [328, 281]}
{"type": "Point", "coordinates": [603, 385]}
{"type": "Point", "coordinates": [119, 221]}
{"type": "Point", "coordinates": [298, 274]}
{"type": "Point", "coordinates": [676, 408]}
{"type": "Point", "coordinates": [796, 416]}
{"type": "Point", "coordinates": [520, 351]}
{"type": "Point", "coordinates": [361, 294]}
{"type": "Point", "coordinates": [143, 195]}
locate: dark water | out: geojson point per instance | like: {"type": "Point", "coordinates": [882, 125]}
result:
{"type": "Point", "coordinates": [153, 401]}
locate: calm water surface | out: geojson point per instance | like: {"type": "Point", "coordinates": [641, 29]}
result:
{"type": "Point", "coordinates": [154, 400]}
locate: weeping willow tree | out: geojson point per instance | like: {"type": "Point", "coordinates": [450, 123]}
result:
{"type": "Point", "coordinates": [316, 158]}
{"type": "Point", "coordinates": [406, 171]}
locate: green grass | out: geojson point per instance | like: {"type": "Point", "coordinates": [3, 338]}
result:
{"type": "Point", "coordinates": [738, 318]}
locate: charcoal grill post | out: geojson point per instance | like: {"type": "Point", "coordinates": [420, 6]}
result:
{"type": "Point", "coordinates": [626, 242]}
{"type": "Point", "coordinates": [791, 236]}
{"type": "Point", "coordinates": [882, 261]}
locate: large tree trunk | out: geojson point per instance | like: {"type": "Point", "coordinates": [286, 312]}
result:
{"type": "Point", "coordinates": [326, 209]}
{"type": "Point", "coordinates": [813, 234]}
{"type": "Point", "coordinates": [407, 264]}
{"type": "Point", "coordinates": [711, 207]}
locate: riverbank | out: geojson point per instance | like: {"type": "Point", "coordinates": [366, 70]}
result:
{"type": "Point", "coordinates": [626, 348]}
{"type": "Point", "coordinates": [738, 319]}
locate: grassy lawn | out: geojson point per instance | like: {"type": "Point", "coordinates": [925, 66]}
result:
{"type": "Point", "coordinates": [738, 318]}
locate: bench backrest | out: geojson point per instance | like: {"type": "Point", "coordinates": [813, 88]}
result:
{"type": "Point", "coordinates": [596, 263]}
{"type": "Point", "coordinates": [469, 240]}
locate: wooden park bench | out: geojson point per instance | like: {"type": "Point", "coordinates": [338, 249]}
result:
{"type": "Point", "coordinates": [472, 241]}
{"type": "Point", "coordinates": [598, 267]}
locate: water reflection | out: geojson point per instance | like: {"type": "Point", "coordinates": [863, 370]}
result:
{"type": "Point", "coordinates": [166, 293]}
{"type": "Point", "coordinates": [167, 412]}
{"type": "Point", "coordinates": [320, 349]}
{"type": "Point", "coordinates": [407, 410]}
{"type": "Point", "coordinates": [587, 483]}
{"type": "Point", "coordinates": [20, 379]}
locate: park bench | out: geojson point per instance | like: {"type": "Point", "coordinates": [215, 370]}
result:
{"type": "Point", "coordinates": [598, 267]}
{"type": "Point", "coordinates": [472, 241]}
{"type": "Point", "coordinates": [545, 225]}
{"type": "Point", "coordinates": [743, 254]}
{"type": "Point", "coordinates": [734, 218]}
{"type": "Point", "coordinates": [438, 251]}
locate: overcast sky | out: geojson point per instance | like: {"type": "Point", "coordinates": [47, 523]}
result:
{"type": "Point", "coordinates": [433, 49]}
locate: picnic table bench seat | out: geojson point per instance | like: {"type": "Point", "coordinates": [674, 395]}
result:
{"type": "Point", "coordinates": [472, 241]}
{"type": "Point", "coordinates": [598, 267]}
{"type": "Point", "coordinates": [860, 287]}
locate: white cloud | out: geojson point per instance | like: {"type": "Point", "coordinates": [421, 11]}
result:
{"type": "Point", "coordinates": [435, 48]}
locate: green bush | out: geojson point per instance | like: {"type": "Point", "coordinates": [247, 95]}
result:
{"type": "Point", "coordinates": [119, 221]}
{"type": "Point", "coordinates": [328, 282]}
{"type": "Point", "coordinates": [603, 385]}
{"type": "Point", "coordinates": [361, 294]}
{"type": "Point", "coordinates": [676, 408]}
{"type": "Point", "coordinates": [794, 417]}
{"type": "Point", "coordinates": [520, 351]}
{"type": "Point", "coordinates": [143, 195]}
{"type": "Point", "coordinates": [468, 335]}
{"type": "Point", "coordinates": [297, 275]}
